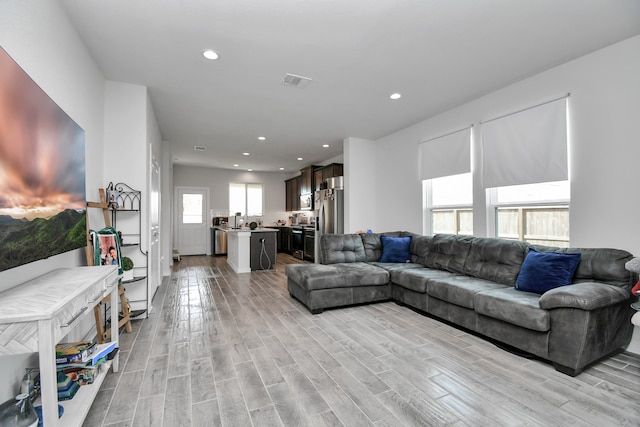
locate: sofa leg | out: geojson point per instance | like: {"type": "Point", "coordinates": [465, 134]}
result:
{"type": "Point", "coordinates": [316, 311]}
{"type": "Point", "coordinates": [566, 370]}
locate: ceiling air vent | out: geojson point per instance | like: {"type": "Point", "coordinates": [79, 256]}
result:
{"type": "Point", "coordinates": [295, 80]}
{"type": "Point", "coordinates": [199, 148]}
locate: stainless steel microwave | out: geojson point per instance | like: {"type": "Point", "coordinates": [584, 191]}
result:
{"type": "Point", "coordinates": [306, 202]}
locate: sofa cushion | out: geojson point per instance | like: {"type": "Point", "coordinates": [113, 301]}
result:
{"type": "Point", "coordinates": [397, 266]}
{"type": "Point", "coordinates": [420, 247]}
{"type": "Point", "coordinates": [337, 248]}
{"type": "Point", "coordinates": [497, 260]}
{"type": "Point", "coordinates": [417, 279]}
{"type": "Point", "coordinates": [342, 275]}
{"type": "Point", "coordinates": [519, 308]}
{"type": "Point", "coordinates": [458, 289]}
{"type": "Point", "coordinates": [395, 249]}
{"type": "Point", "coordinates": [448, 252]}
{"type": "Point", "coordinates": [542, 271]}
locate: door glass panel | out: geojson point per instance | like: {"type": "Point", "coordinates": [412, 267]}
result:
{"type": "Point", "coordinates": [192, 208]}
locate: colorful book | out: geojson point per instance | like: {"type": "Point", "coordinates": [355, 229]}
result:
{"type": "Point", "coordinates": [100, 352]}
{"type": "Point", "coordinates": [67, 388]}
{"type": "Point", "coordinates": [85, 372]}
{"type": "Point", "coordinates": [81, 373]}
{"type": "Point", "coordinates": [74, 352]}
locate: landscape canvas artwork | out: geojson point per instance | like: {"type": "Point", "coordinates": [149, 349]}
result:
{"type": "Point", "coordinates": [42, 172]}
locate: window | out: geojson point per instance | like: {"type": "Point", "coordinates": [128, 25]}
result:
{"type": "Point", "coordinates": [445, 170]}
{"type": "Point", "coordinates": [526, 171]}
{"type": "Point", "coordinates": [449, 201]}
{"type": "Point", "coordinates": [245, 198]}
{"type": "Point", "coordinates": [192, 208]}
{"type": "Point", "coordinates": [535, 213]}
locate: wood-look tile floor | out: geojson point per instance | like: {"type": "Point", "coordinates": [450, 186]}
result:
{"type": "Point", "coordinates": [226, 349]}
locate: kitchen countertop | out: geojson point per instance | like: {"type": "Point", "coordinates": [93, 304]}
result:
{"type": "Point", "coordinates": [245, 229]}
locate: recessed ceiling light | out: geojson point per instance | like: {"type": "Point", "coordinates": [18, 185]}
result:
{"type": "Point", "coordinates": [395, 95]}
{"type": "Point", "coordinates": [300, 158]}
{"type": "Point", "coordinates": [245, 154]}
{"type": "Point", "coordinates": [249, 170]}
{"type": "Point", "coordinates": [236, 165]}
{"type": "Point", "coordinates": [261, 138]}
{"type": "Point", "coordinates": [325, 145]}
{"type": "Point", "coordinates": [281, 169]}
{"type": "Point", "coordinates": [209, 54]}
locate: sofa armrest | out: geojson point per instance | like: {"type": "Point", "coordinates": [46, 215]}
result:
{"type": "Point", "coordinates": [583, 295]}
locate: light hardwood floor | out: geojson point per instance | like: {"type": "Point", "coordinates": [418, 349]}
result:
{"type": "Point", "coordinates": [236, 350]}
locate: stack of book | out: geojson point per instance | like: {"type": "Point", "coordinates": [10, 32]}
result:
{"type": "Point", "coordinates": [78, 363]}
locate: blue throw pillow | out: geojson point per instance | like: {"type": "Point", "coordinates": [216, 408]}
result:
{"type": "Point", "coordinates": [542, 271]}
{"type": "Point", "coordinates": [395, 249]}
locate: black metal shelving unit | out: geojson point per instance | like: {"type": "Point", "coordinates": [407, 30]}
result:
{"type": "Point", "coordinates": [124, 200]}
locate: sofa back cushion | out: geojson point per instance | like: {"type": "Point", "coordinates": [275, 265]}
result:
{"type": "Point", "coordinates": [497, 260]}
{"type": "Point", "coordinates": [448, 252]}
{"type": "Point", "coordinates": [336, 248]}
{"type": "Point", "coordinates": [420, 247]}
{"type": "Point", "coordinates": [602, 265]}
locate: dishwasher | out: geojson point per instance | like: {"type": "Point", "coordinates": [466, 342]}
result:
{"type": "Point", "coordinates": [219, 242]}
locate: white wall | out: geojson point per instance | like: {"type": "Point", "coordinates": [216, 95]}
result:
{"type": "Point", "coordinates": [125, 161]}
{"type": "Point", "coordinates": [39, 37]}
{"type": "Point", "coordinates": [604, 150]}
{"type": "Point", "coordinates": [360, 192]}
{"type": "Point", "coordinates": [217, 180]}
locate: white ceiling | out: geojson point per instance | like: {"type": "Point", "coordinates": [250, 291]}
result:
{"type": "Point", "coordinates": [437, 53]}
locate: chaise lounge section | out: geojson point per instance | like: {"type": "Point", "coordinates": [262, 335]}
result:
{"type": "Point", "coordinates": [471, 282]}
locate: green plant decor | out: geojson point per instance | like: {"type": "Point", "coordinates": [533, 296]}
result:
{"type": "Point", "coordinates": [127, 263]}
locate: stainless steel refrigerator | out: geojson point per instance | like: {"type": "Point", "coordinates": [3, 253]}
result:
{"type": "Point", "coordinates": [329, 216]}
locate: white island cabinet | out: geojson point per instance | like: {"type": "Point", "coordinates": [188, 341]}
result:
{"type": "Point", "coordinates": [36, 315]}
{"type": "Point", "coordinates": [238, 245]}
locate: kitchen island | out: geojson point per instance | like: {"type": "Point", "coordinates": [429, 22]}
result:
{"type": "Point", "coordinates": [250, 250]}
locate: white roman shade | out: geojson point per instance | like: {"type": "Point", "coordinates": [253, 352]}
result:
{"type": "Point", "coordinates": [526, 147]}
{"type": "Point", "coordinates": [446, 155]}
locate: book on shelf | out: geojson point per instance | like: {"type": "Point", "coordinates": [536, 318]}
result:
{"type": "Point", "coordinates": [72, 352]}
{"type": "Point", "coordinates": [84, 372]}
{"type": "Point", "coordinates": [67, 388]}
{"type": "Point", "coordinates": [101, 352]}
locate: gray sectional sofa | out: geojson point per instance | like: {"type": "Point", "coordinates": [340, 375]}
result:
{"type": "Point", "coordinates": [469, 281]}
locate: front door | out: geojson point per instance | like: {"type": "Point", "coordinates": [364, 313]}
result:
{"type": "Point", "coordinates": [193, 224]}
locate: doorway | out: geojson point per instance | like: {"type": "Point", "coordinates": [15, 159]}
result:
{"type": "Point", "coordinates": [193, 223]}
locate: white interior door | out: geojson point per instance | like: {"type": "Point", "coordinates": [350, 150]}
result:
{"type": "Point", "coordinates": [193, 224]}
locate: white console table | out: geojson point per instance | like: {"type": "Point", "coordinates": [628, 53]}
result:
{"type": "Point", "coordinates": [37, 314]}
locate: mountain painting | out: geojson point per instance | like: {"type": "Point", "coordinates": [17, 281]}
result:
{"type": "Point", "coordinates": [42, 172]}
